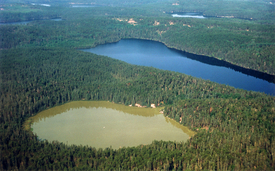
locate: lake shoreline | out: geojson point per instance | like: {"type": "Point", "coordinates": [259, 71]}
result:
{"type": "Point", "coordinates": [188, 53]}
{"type": "Point", "coordinates": [163, 57]}
{"type": "Point", "coordinates": [103, 125]}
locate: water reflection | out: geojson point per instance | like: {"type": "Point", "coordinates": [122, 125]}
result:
{"type": "Point", "coordinates": [146, 112]}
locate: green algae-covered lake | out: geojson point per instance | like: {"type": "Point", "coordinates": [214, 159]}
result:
{"type": "Point", "coordinates": [103, 124]}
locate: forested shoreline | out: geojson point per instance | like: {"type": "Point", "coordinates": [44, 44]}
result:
{"type": "Point", "coordinates": [41, 67]}
{"type": "Point", "coordinates": [241, 123]}
{"type": "Point", "coordinates": [243, 43]}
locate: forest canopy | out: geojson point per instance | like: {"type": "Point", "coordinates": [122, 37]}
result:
{"type": "Point", "coordinates": [41, 67]}
{"type": "Point", "coordinates": [240, 123]}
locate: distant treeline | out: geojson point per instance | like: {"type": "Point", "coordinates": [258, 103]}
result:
{"type": "Point", "coordinates": [246, 44]}
{"type": "Point", "coordinates": [240, 123]}
{"type": "Point", "coordinates": [261, 11]}
{"type": "Point", "coordinates": [26, 12]}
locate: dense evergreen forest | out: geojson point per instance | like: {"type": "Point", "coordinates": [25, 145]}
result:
{"type": "Point", "coordinates": [241, 123]}
{"type": "Point", "coordinates": [40, 67]}
{"type": "Point", "coordinates": [249, 44]}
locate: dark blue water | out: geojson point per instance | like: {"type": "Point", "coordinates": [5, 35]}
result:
{"type": "Point", "coordinates": [155, 54]}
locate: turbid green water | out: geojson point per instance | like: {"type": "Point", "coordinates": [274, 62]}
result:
{"type": "Point", "coordinates": [103, 124]}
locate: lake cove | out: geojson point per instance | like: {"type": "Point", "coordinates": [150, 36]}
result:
{"type": "Point", "coordinates": [156, 54]}
{"type": "Point", "coordinates": [103, 124]}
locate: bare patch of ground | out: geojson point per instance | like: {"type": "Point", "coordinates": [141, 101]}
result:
{"type": "Point", "coordinates": [160, 32]}
{"type": "Point", "coordinates": [187, 25]}
{"type": "Point", "coordinates": [156, 23]}
{"type": "Point", "coordinates": [132, 21]}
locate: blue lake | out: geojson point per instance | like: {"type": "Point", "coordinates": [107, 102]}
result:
{"type": "Point", "coordinates": [155, 54]}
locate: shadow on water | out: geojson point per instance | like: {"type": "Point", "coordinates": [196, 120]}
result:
{"type": "Point", "coordinates": [217, 62]}
{"type": "Point", "coordinates": [51, 112]}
